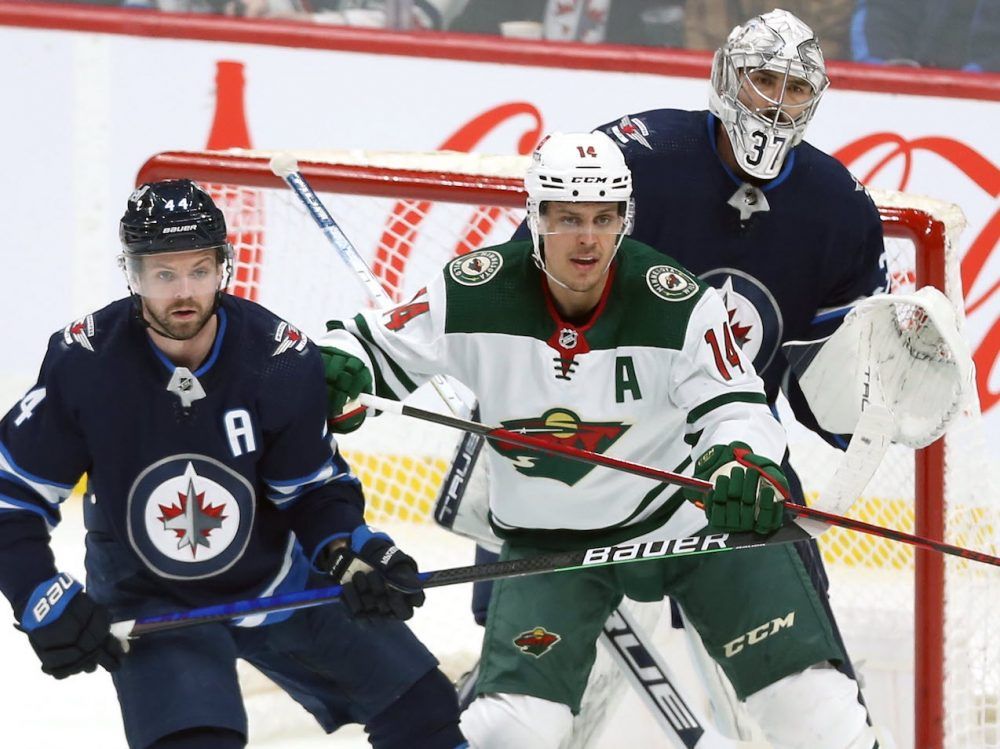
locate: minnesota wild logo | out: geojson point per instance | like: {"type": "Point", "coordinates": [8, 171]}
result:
{"type": "Point", "coordinates": [476, 268]}
{"type": "Point", "coordinates": [536, 642]}
{"type": "Point", "coordinates": [671, 283]}
{"type": "Point", "coordinates": [562, 427]}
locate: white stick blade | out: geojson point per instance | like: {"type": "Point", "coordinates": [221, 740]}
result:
{"type": "Point", "coordinates": [284, 164]}
{"type": "Point", "coordinates": [862, 458]}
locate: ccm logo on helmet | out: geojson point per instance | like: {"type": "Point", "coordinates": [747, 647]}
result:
{"type": "Point", "coordinates": [589, 179]}
{"type": "Point", "coordinates": [176, 229]}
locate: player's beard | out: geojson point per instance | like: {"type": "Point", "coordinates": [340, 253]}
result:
{"type": "Point", "coordinates": [178, 329]}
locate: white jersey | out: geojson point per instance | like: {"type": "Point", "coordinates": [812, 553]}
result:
{"type": "Point", "coordinates": [654, 377]}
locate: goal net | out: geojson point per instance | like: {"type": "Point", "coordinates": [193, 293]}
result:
{"type": "Point", "coordinates": [915, 623]}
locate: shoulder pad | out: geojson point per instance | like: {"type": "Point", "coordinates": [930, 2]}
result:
{"type": "Point", "coordinates": [652, 274]}
{"type": "Point", "coordinates": [80, 332]}
{"type": "Point", "coordinates": [630, 128]}
{"type": "Point", "coordinates": [475, 268]}
{"type": "Point", "coordinates": [654, 130]}
{"type": "Point", "coordinates": [671, 283]}
{"type": "Point", "coordinates": [287, 337]}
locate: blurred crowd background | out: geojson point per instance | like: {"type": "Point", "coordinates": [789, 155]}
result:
{"type": "Point", "coordinates": [950, 34]}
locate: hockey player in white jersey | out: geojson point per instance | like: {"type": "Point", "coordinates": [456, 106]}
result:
{"type": "Point", "coordinates": [584, 337]}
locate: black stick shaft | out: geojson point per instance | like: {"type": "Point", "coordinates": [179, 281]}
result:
{"type": "Point", "coordinates": [559, 561]}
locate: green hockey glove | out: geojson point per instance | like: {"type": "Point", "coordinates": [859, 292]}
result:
{"type": "Point", "coordinates": [346, 378]}
{"type": "Point", "coordinates": [749, 489]}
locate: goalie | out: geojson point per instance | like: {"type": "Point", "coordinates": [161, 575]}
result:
{"type": "Point", "coordinates": [628, 353]}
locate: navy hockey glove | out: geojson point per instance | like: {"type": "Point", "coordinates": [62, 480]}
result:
{"type": "Point", "coordinates": [68, 630]}
{"type": "Point", "coordinates": [749, 490]}
{"type": "Point", "coordinates": [346, 378]}
{"type": "Point", "coordinates": [377, 578]}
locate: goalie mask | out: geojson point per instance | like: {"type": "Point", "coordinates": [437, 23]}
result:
{"type": "Point", "coordinates": [577, 168]}
{"type": "Point", "coordinates": [175, 253]}
{"type": "Point", "coordinates": [766, 82]}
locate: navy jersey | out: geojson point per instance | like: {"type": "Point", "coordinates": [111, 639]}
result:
{"type": "Point", "coordinates": [190, 501]}
{"type": "Point", "coordinates": [790, 258]}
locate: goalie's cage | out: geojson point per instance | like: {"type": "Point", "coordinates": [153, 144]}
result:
{"type": "Point", "coordinates": [903, 612]}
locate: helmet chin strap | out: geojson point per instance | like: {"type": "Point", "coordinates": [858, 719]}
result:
{"type": "Point", "coordinates": [148, 325]}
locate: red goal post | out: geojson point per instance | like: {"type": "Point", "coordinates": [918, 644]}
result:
{"type": "Point", "coordinates": [389, 204]}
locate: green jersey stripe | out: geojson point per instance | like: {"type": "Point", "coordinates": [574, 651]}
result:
{"type": "Point", "coordinates": [397, 370]}
{"type": "Point", "coordinates": [722, 400]}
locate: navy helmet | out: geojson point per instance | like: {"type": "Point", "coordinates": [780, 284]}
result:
{"type": "Point", "coordinates": [171, 216]}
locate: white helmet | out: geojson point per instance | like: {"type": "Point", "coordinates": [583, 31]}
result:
{"type": "Point", "coordinates": [779, 42]}
{"type": "Point", "coordinates": [577, 168]}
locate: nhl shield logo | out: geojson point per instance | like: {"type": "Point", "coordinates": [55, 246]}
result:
{"type": "Point", "coordinates": [536, 642]}
{"type": "Point", "coordinates": [671, 283]}
{"type": "Point", "coordinates": [190, 517]}
{"type": "Point", "coordinates": [568, 338]}
{"type": "Point", "coordinates": [476, 268]}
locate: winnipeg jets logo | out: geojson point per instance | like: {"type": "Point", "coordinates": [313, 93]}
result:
{"type": "Point", "coordinates": [138, 193]}
{"type": "Point", "coordinates": [753, 312]}
{"type": "Point", "coordinates": [80, 331]}
{"type": "Point", "coordinates": [288, 337]}
{"type": "Point", "coordinates": [741, 320]}
{"type": "Point", "coordinates": [632, 128]}
{"type": "Point", "coordinates": [192, 518]}
{"type": "Point", "coordinates": [189, 516]}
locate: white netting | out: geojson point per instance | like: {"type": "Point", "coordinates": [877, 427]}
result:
{"type": "Point", "coordinates": [285, 263]}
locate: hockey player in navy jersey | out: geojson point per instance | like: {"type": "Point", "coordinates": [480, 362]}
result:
{"type": "Point", "coordinates": [199, 419]}
{"type": "Point", "coordinates": [783, 230]}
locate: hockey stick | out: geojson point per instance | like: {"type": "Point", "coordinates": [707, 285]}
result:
{"type": "Point", "coordinates": [286, 167]}
{"type": "Point", "coordinates": [558, 561]}
{"type": "Point", "coordinates": [862, 458]}
{"type": "Point", "coordinates": [506, 436]}
{"type": "Point", "coordinates": [651, 677]}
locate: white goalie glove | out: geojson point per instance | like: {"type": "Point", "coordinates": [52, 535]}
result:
{"type": "Point", "coordinates": [901, 351]}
